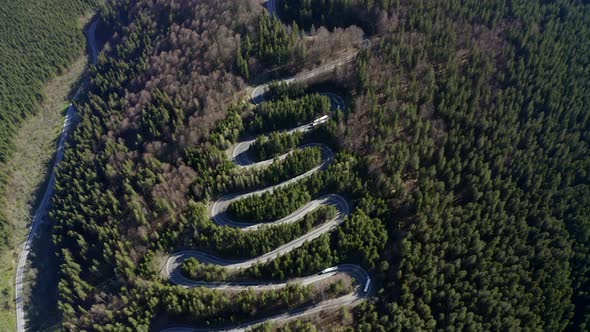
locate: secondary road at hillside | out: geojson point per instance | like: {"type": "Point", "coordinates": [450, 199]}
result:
{"type": "Point", "coordinates": [271, 6]}
{"type": "Point", "coordinates": [241, 155]}
{"type": "Point", "coordinates": [356, 272]}
{"type": "Point", "coordinates": [218, 212]}
{"type": "Point", "coordinates": [257, 95]}
{"type": "Point", "coordinates": [92, 41]}
{"type": "Point", "coordinates": [174, 262]}
{"type": "Point", "coordinates": [41, 211]}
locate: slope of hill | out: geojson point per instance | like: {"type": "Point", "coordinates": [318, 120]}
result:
{"type": "Point", "coordinates": [38, 39]}
{"type": "Point", "coordinates": [462, 152]}
{"type": "Point", "coordinates": [475, 117]}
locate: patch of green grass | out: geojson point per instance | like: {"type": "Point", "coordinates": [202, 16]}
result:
{"type": "Point", "coordinates": [29, 168]}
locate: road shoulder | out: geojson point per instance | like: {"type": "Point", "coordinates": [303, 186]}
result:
{"type": "Point", "coordinates": [29, 167]}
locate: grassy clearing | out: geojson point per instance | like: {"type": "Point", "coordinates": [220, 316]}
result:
{"type": "Point", "coordinates": [36, 141]}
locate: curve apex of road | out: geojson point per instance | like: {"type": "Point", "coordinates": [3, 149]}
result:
{"type": "Point", "coordinates": [41, 212]}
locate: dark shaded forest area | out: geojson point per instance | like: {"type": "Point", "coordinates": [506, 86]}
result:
{"type": "Point", "coordinates": [464, 151]}
{"type": "Point", "coordinates": [475, 119]}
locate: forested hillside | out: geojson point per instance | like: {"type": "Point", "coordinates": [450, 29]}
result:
{"type": "Point", "coordinates": [38, 39]}
{"type": "Point", "coordinates": [334, 13]}
{"type": "Point", "coordinates": [463, 152]}
{"type": "Point", "coordinates": [475, 119]}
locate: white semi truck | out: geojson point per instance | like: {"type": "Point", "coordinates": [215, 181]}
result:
{"type": "Point", "coordinates": [328, 270]}
{"type": "Point", "coordinates": [320, 120]}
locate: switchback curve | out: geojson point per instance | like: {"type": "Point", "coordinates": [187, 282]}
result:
{"type": "Point", "coordinates": [218, 214]}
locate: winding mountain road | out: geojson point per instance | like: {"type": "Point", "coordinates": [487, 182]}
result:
{"type": "Point", "coordinates": [218, 213]}
{"type": "Point", "coordinates": [41, 211]}
{"type": "Point", "coordinates": [219, 216]}
{"type": "Point", "coordinates": [92, 41]}
{"type": "Point", "coordinates": [242, 158]}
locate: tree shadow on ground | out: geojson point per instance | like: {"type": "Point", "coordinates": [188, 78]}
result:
{"type": "Point", "coordinates": [41, 283]}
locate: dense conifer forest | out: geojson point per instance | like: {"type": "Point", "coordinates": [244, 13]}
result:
{"type": "Point", "coordinates": [463, 152]}
{"type": "Point", "coordinates": [38, 39]}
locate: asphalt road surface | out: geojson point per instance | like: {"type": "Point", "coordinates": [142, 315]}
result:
{"type": "Point", "coordinates": [356, 272]}
{"type": "Point", "coordinates": [257, 95]}
{"type": "Point", "coordinates": [258, 92]}
{"type": "Point", "coordinates": [41, 211]}
{"type": "Point", "coordinates": [241, 156]}
{"type": "Point", "coordinates": [218, 213]}
{"type": "Point", "coordinates": [271, 6]}
{"type": "Point", "coordinates": [241, 152]}
{"type": "Point", "coordinates": [172, 268]}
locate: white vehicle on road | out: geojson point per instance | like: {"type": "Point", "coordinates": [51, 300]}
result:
{"type": "Point", "coordinates": [320, 120]}
{"type": "Point", "coordinates": [328, 270]}
{"type": "Point", "coordinates": [367, 285]}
